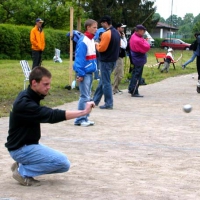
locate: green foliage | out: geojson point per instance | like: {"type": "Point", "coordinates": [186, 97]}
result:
{"type": "Point", "coordinates": [157, 42]}
{"type": "Point", "coordinates": [15, 42]}
{"type": "Point", "coordinates": [128, 12]}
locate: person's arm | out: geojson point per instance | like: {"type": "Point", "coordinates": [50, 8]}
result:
{"type": "Point", "coordinates": [32, 39]}
{"type": "Point", "coordinates": [74, 114]}
{"type": "Point", "coordinates": [123, 42]}
{"type": "Point", "coordinates": [145, 46]}
{"type": "Point", "coordinates": [105, 41]}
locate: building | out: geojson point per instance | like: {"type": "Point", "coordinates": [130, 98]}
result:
{"type": "Point", "coordinates": [163, 30]}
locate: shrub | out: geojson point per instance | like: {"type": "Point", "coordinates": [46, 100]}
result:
{"type": "Point", "coordinates": [15, 42]}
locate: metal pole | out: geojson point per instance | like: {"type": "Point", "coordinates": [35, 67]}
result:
{"type": "Point", "coordinates": [171, 20]}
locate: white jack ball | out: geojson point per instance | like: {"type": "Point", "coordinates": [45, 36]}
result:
{"type": "Point", "coordinates": [187, 108]}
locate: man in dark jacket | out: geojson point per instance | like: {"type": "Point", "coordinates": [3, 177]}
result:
{"type": "Point", "coordinates": [33, 159]}
{"type": "Point", "coordinates": [108, 49]}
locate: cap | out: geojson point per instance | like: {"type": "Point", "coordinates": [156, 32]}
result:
{"type": "Point", "coordinates": [121, 25]}
{"type": "Point", "coordinates": [39, 20]}
{"type": "Point", "coordinates": [141, 27]}
{"type": "Point", "coordinates": [170, 49]}
{"type": "Point", "coordinates": [105, 19]}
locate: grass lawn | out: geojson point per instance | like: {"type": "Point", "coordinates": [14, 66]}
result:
{"type": "Point", "coordinates": [11, 81]}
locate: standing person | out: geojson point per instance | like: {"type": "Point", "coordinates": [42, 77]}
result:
{"type": "Point", "coordinates": [108, 49]}
{"type": "Point", "coordinates": [97, 38]}
{"type": "Point", "coordinates": [193, 47]}
{"type": "Point", "coordinates": [168, 59]}
{"type": "Point", "coordinates": [198, 57]}
{"type": "Point", "coordinates": [119, 69]}
{"type": "Point", "coordinates": [84, 66]}
{"type": "Point", "coordinates": [139, 47]}
{"type": "Point", "coordinates": [32, 158]}
{"type": "Point", "coordinates": [37, 40]}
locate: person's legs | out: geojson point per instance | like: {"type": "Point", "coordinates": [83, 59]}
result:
{"type": "Point", "coordinates": [118, 75]}
{"type": "Point", "coordinates": [198, 67]}
{"type": "Point", "coordinates": [98, 92]}
{"type": "Point", "coordinates": [136, 76]}
{"type": "Point", "coordinates": [167, 67]}
{"type": "Point", "coordinates": [164, 67]}
{"type": "Point", "coordinates": [190, 60]}
{"type": "Point", "coordinates": [36, 160]}
{"type": "Point", "coordinates": [96, 74]}
{"type": "Point", "coordinates": [37, 58]}
{"type": "Point", "coordinates": [106, 71]}
{"type": "Point", "coordinates": [85, 91]}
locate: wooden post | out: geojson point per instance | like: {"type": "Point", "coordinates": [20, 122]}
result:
{"type": "Point", "coordinates": [71, 44]}
{"type": "Point", "coordinates": [79, 24]}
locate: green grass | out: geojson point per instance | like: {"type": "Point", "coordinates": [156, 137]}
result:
{"type": "Point", "coordinates": [11, 81]}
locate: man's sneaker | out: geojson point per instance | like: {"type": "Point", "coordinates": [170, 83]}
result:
{"type": "Point", "coordinates": [91, 123]}
{"type": "Point", "coordinates": [14, 166]}
{"type": "Point", "coordinates": [85, 124]}
{"type": "Point", "coordinates": [28, 181]}
{"type": "Point", "coordinates": [106, 107]}
{"type": "Point", "coordinates": [183, 66]}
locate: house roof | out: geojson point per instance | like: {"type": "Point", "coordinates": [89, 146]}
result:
{"type": "Point", "coordinates": [166, 26]}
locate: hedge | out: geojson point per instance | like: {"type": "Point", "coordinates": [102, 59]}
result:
{"type": "Point", "coordinates": [15, 42]}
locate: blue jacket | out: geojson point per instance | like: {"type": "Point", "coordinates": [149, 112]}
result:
{"type": "Point", "coordinates": [85, 57]}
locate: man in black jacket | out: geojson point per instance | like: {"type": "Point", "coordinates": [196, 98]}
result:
{"type": "Point", "coordinates": [33, 159]}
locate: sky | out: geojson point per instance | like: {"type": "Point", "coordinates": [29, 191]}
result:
{"type": "Point", "coordinates": [180, 7]}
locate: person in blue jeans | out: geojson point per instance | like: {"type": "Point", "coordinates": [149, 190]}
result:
{"type": "Point", "coordinates": [108, 48]}
{"type": "Point", "coordinates": [194, 55]}
{"type": "Point", "coordinates": [84, 66]}
{"type": "Point", "coordinates": [32, 158]}
{"type": "Point", "coordinates": [97, 38]}
{"type": "Point", "coordinates": [193, 47]}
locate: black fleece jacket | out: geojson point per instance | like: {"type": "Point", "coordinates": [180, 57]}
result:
{"type": "Point", "coordinates": [25, 118]}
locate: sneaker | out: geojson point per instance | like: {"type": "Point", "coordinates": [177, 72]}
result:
{"type": "Point", "coordinates": [183, 66]}
{"type": "Point", "coordinates": [28, 181]}
{"type": "Point", "coordinates": [106, 107]}
{"type": "Point", "coordinates": [85, 124]}
{"type": "Point", "coordinates": [14, 166]}
{"type": "Point", "coordinates": [91, 123]}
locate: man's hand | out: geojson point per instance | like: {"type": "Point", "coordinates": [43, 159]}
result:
{"type": "Point", "coordinates": [79, 79]}
{"type": "Point", "coordinates": [89, 106]}
{"type": "Point", "coordinates": [79, 113]}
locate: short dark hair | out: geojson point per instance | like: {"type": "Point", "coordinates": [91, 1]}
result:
{"type": "Point", "coordinates": [89, 22]}
{"type": "Point", "coordinates": [38, 73]}
{"type": "Point", "coordinates": [107, 19]}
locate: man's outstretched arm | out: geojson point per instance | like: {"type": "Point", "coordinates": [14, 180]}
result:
{"type": "Point", "coordinates": [79, 113]}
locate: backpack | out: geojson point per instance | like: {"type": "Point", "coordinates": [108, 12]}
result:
{"type": "Point", "coordinates": [76, 36]}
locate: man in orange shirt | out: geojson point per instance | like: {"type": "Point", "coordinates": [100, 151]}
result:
{"type": "Point", "coordinates": [37, 40]}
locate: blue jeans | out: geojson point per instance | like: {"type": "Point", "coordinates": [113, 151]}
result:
{"type": "Point", "coordinates": [96, 73]}
{"type": "Point", "coordinates": [135, 79]}
{"type": "Point", "coordinates": [85, 96]}
{"type": "Point", "coordinates": [105, 87]}
{"type": "Point", "coordinates": [191, 59]}
{"type": "Point", "coordinates": [37, 159]}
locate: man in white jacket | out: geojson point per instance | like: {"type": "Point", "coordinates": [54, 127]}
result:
{"type": "Point", "coordinates": [119, 69]}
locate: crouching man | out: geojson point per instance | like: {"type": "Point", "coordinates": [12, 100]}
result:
{"type": "Point", "coordinates": [32, 158]}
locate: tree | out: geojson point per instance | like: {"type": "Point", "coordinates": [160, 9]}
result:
{"type": "Point", "coordinates": [128, 12]}
{"type": "Point", "coordinates": [173, 20]}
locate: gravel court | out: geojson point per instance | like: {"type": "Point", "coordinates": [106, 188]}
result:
{"type": "Point", "coordinates": [143, 149]}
